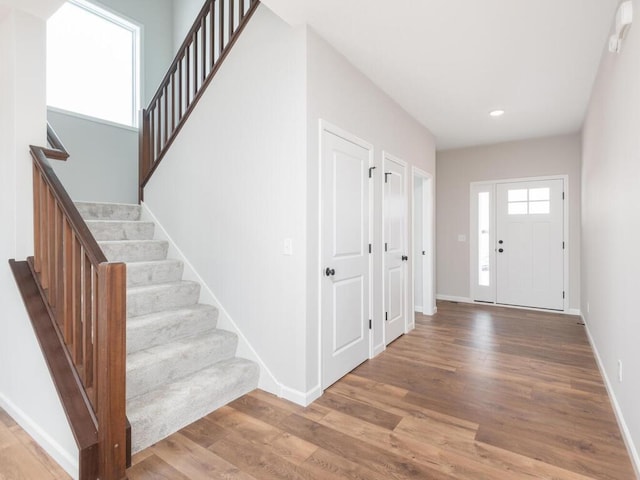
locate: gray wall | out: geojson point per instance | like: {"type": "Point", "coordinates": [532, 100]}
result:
{"type": "Point", "coordinates": [611, 226]}
{"type": "Point", "coordinates": [103, 166]}
{"type": "Point", "coordinates": [529, 158]}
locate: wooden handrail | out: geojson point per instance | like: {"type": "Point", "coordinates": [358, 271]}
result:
{"type": "Point", "coordinates": [204, 49]}
{"type": "Point", "coordinates": [56, 149]}
{"type": "Point", "coordinates": [86, 297]}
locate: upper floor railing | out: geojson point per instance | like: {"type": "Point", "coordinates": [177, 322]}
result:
{"type": "Point", "coordinates": [207, 44]}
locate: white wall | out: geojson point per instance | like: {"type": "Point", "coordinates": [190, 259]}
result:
{"type": "Point", "coordinates": [103, 166]}
{"type": "Point", "coordinates": [232, 188]}
{"type": "Point", "coordinates": [343, 96]}
{"type": "Point", "coordinates": [527, 158]}
{"type": "Point", "coordinates": [104, 158]}
{"type": "Point", "coordinates": [611, 226]}
{"type": "Point", "coordinates": [184, 14]}
{"type": "Point", "coordinates": [26, 390]}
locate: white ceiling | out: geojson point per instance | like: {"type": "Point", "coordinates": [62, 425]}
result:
{"type": "Point", "coordinates": [450, 62]}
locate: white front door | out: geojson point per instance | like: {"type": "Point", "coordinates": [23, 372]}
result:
{"type": "Point", "coordinates": [530, 244]}
{"type": "Point", "coordinates": [396, 256]}
{"type": "Point", "coordinates": [345, 255]}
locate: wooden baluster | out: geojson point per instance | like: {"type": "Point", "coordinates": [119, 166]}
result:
{"type": "Point", "coordinates": [180, 89]}
{"type": "Point", "coordinates": [111, 347]}
{"type": "Point", "coordinates": [87, 328]}
{"type": "Point", "coordinates": [221, 23]}
{"type": "Point", "coordinates": [212, 34]}
{"type": "Point", "coordinates": [166, 116]}
{"type": "Point", "coordinates": [231, 19]}
{"type": "Point", "coordinates": [76, 300]}
{"type": "Point", "coordinates": [194, 41]}
{"type": "Point", "coordinates": [203, 50]}
{"type": "Point", "coordinates": [95, 303]}
{"type": "Point", "coordinates": [66, 273]}
{"type": "Point", "coordinates": [37, 249]}
{"type": "Point", "coordinates": [187, 73]}
{"type": "Point", "coordinates": [240, 11]}
{"type": "Point", "coordinates": [59, 269]}
{"type": "Point", "coordinates": [51, 245]}
{"type": "Point", "coordinates": [44, 217]}
{"type": "Point", "coordinates": [152, 133]}
{"type": "Point", "coordinates": [173, 102]}
{"type": "Point", "coordinates": [158, 128]}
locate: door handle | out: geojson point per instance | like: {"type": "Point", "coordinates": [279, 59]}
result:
{"type": "Point", "coordinates": [329, 272]}
{"type": "Point", "coordinates": [423, 252]}
{"type": "Point", "coordinates": [500, 250]}
{"type": "Point", "coordinates": [500, 242]}
{"type": "Point", "coordinates": [404, 258]}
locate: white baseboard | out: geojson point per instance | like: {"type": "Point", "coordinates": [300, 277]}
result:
{"type": "Point", "coordinates": [417, 308]}
{"type": "Point", "coordinates": [452, 298]}
{"type": "Point", "coordinates": [626, 434]}
{"type": "Point", "coordinates": [301, 398]}
{"type": "Point", "coordinates": [65, 459]}
{"type": "Point", "coordinates": [377, 350]}
{"type": "Point", "coordinates": [268, 381]}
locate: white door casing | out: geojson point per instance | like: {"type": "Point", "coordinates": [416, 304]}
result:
{"type": "Point", "coordinates": [345, 286]}
{"type": "Point", "coordinates": [395, 247]}
{"type": "Point", "coordinates": [530, 244]}
{"type": "Point", "coordinates": [423, 236]}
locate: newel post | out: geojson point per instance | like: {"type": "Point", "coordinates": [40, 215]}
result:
{"type": "Point", "coordinates": [111, 344]}
{"type": "Point", "coordinates": [144, 151]}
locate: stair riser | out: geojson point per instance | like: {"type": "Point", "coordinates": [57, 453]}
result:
{"type": "Point", "coordinates": [157, 329]}
{"type": "Point", "coordinates": [153, 273]}
{"type": "Point", "coordinates": [135, 251]}
{"type": "Point", "coordinates": [187, 359]}
{"type": "Point", "coordinates": [121, 230]}
{"type": "Point", "coordinates": [175, 296]}
{"type": "Point", "coordinates": [108, 211]}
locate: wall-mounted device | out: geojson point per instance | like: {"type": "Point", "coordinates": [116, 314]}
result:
{"type": "Point", "coordinates": [624, 17]}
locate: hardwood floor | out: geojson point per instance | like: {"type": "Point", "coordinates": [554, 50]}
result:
{"type": "Point", "coordinates": [473, 393]}
{"type": "Point", "coordinates": [21, 458]}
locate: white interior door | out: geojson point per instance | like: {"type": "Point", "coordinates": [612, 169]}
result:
{"type": "Point", "coordinates": [395, 257]}
{"type": "Point", "coordinates": [345, 255]}
{"type": "Point", "coordinates": [530, 244]}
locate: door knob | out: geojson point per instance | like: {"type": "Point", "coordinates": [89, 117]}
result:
{"type": "Point", "coordinates": [500, 242]}
{"type": "Point", "coordinates": [500, 250]}
{"type": "Point", "coordinates": [404, 258]}
{"type": "Point", "coordinates": [329, 272]}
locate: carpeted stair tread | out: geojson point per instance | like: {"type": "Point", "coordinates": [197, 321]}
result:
{"type": "Point", "coordinates": [165, 410]}
{"type": "Point", "coordinates": [155, 298]}
{"type": "Point", "coordinates": [150, 368]}
{"type": "Point", "coordinates": [154, 329]}
{"type": "Point", "coordinates": [180, 367]}
{"type": "Point", "coordinates": [121, 229]}
{"type": "Point", "coordinates": [108, 211]}
{"type": "Point", "coordinates": [134, 250]}
{"type": "Point", "coordinates": [153, 272]}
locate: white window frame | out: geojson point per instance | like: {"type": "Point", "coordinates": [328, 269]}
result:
{"type": "Point", "coordinates": [135, 28]}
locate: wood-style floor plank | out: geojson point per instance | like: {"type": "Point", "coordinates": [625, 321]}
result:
{"type": "Point", "coordinates": [473, 393]}
{"type": "Point", "coordinates": [21, 458]}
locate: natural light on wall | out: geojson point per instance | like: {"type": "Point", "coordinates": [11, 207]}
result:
{"type": "Point", "coordinates": [92, 63]}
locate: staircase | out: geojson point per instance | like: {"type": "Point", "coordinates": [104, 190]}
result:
{"type": "Point", "coordinates": [180, 367]}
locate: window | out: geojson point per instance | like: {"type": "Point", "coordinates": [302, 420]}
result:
{"type": "Point", "coordinates": [532, 201]}
{"type": "Point", "coordinates": [484, 239]}
{"type": "Point", "coordinates": [93, 63]}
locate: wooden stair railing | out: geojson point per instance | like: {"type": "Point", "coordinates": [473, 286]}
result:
{"type": "Point", "coordinates": [84, 296]}
{"type": "Point", "coordinates": [207, 44]}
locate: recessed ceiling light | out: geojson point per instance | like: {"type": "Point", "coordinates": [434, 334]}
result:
{"type": "Point", "coordinates": [496, 113]}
